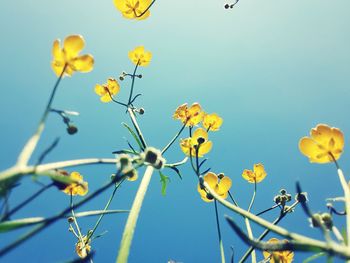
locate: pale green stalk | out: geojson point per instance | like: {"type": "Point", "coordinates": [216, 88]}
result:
{"type": "Point", "coordinates": [249, 229]}
{"type": "Point", "coordinates": [129, 229]}
{"type": "Point", "coordinates": [222, 253]}
{"type": "Point", "coordinates": [346, 190]}
{"type": "Point", "coordinates": [332, 247]}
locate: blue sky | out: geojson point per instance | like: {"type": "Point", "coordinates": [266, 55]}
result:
{"type": "Point", "coordinates": [271, 69]}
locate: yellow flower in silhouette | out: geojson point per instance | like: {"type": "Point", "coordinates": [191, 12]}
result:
{"type": "Point", "coordinates": [133, 9]}
{"type": "Point", "coordinates": [199, 140]}
{"type": "Point", "coordinates": [256, 176]}
{"type": "Point", "coordinates": [68, 58]}
{"type": "Point", "coordinates": [75, 188]}
{"type": "Point", "coordinates": [220, 186]}
{"type": "Point", "coordinates": [139, 56]}
{"type": "Point", "coordinates": [285, 256]}
{"type": "Point", "coordinates": [324, 144]}
{"type": "Point", "coordinates": [191, 116]}
{"type": "Point", "coordinates": [82, 247]}
{"type": "Point", "coordinates": [107, 90]}
{"type": "Point", "coordinates": [212, 122]}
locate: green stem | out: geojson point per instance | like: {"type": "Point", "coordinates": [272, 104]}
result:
{"type": "Point", "coordinates": [132, 83]}
{"type": "Point", "coordinates": [144, 12]}
{"type": "Point", "coordinates": [249, 228]}
{"type": "Point", "coordinates": [174, 139]}
{"type": "Point", "coordinates": [346, 190]}
{"type": "Point", "coordinates": [30, 146]}
{"type": "Point", "coordinates": [222, 253]}
{"type": "Point", "coordinates": [129, 229]}
{"type": "Point", "coordinates": [136, 126]}
{"type": "Point", "coordinates": [105, 209]}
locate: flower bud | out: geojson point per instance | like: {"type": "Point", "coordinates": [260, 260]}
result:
{"type": "Point", "coordinates": [70, 219]}
{"type": "Point", "coordinates": [71, 129]}
{"type": "Point", "coordinates": [302, 197]}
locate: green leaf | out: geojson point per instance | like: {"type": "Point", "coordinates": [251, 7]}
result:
{"type": "Point", "coordinates": [164, 181]}
{"type": "Point", "coordinates": [18, 223]}
{"type": "Point", "coordinates": [315, 256]}
{"type": "Point", "coordinates": [176, 170]}
{"type": "Point", "coordinates": [344, 235]}
{"type": "Point", "coordinates": [99, 212]}
{"type": "Point", "coordinates": [133, 134]}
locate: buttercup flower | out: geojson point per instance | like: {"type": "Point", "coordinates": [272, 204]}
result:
{"type": "Point", "coordinates": [323, 144]}
{"type": "Point", "coordinates": [191, 116]}
{"type": "Point", "coordinates": [107, 90]}
{"type": "Point", "coordinates": [220, 186]}
{"type": "Point", "coordinates": [199, 139]}
{"type": "Point", "coordinates": [257, 175]}
{"type": "Point", "coordinates": [139, 56]}
{"type": "Point", "coordinates": [132, 9]}
{"type": "Point", "coordinates": [69, 56]}
{"type": "Point", "coordinates": [83, 248]}
{"type": "Point", "coordinates": [74, 188]}
{"type": "Point", "coordinates": [285, 256]}
{"type": "Point", "coordinates": [212, 122]}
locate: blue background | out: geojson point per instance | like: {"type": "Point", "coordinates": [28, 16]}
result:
{"type": "Point", "coordinates": [272, 69]}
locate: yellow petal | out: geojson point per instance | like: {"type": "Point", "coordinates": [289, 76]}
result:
{"type": "Point", "coordinates": [72, 45]}
{"type": "Point", "coordinates": [100, 90]}
{"type": "Point", "coordinates": [83, 63]}
{"type": "Point", "coordinates": [185, 145]}
{"type": "Point", "coordinates": [224, 185]}
{"type": "Point", "coordinates": [249, 175]}
{"type": "Point", "coordinates": [310, 148]}
{"type": "Point", "coordinates": [211, 179]}
{"type": "Point", "coordinates": [212, 122]}
{"type": "Point", "coordinates": [338, 137]}
{"type": "Point", "coordinates": [57, 67]}
{"type": "Point", "coordinates": [113, 86]}
{"type": "Point", "coordinates": [259, 172]}
{"type": "Point", "coordinates": [200, 133]}
{"type": "Point", "coordinates": [205, 148]}
{"type": "Point", "coordinates": [106, 98]}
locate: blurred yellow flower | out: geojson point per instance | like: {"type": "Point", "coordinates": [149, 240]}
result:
{"type": "Point", "coordinates": [323, 144]}
{"type": "Point", "coordinates": [107, 90]}
{"type": "Point", "coordinates": [132, 9]}
{"type": "Point", "coordinates": [212, 122]}
{"type": "Point", "coordinates": [82, 247]}
{"type": "Point", "coordinates": [74, 188]}
{"type": "Point", "coordinates": [191, 116]}
{"type": "Point", "coordinates": [256, 176]}
{"type": "Point", "coordinates": [139, 56]}
{"type": "Point", "coordinates": [68, 56]}
{"type": "Point", "coordinates": [220, 186]}
{"type": "Point", "coordinates": [285, 256]}
{"type": "Point", "coordinates": [199, 139]}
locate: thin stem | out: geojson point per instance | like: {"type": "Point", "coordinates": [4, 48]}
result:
{"type": "Point", "coordinates": [266, 231]}
{"type": "Point", "coordinates": [75, 221]}
{"type": "Point", "coordinates": [129, 229]}
{"type": "Point", "coordinates": [144, 12]}
{"type": "Point", "coordinates": [233, 200]}
{"type": "Point", "coordinates": [222, 253]}
{"type": "Point", "coordinates": [253, 198]}
{"type": "Point", "coordinates": [31, 144]}
{"type": "Point", "coordinates": [136, 126]}
{"type": "Point", "coordinates": [114, 100]}
{"type": "Point", "coordinates": [105, 209]}
{"type": "Point", "coordinates": [133, 82]}
{"type": "Point", "coordinates": [51, 220]}
{"type": "Point", "coordinates": [346, 190]}
{"type": "Point", "coordinates": [174, 139]}
{"type": "Point", "coordinates": [26, 202]}
{"type": "Point", "coordinates": [266, 210]}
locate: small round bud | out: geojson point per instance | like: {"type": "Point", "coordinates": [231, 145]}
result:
{"type": "Point", "coordinates": [200, 140]}
{"type": "Point", "coordinates": [316, 220]}
{"type": "Point", "coordinates": [121, 78]}
{"type": "Point", "coordinates": [141, 111]}
{"type": "Point", "coordinates": [288, 197]}
{"type": "Point", "coordinates": [71, 129]}
{"type": "Point", "coordinates": [227, 6]}
{"type": "Point", "coordinates": [327, 220]}
{"type": "Point", "coordinates": [209, 196]}
{"type": "Point", "coordinates": [283, 191]}
{"type": "Point", "coordinates": [221, 175]}
{"type": "Point", "coordinates": [140, 76]}
{"type": "Point", "coordinates": [70, 220]}
{"type": "Point", "coordinates": [302, 197]}
{"type": "Point", "coordinates": [277, 199]}
{"type": "Point", "coordinates": [113, 177]}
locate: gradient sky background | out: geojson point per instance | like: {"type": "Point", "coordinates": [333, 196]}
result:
{"type": "Point", "coordinates": [272, 69]}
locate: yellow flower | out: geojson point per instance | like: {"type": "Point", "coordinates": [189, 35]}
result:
{"type": "Point", "coordinates": [191, 116]}
{"type": "Point", "coordinates": [285, 256]}
{"type": "Point", "coordinates": [257, 175]}
{"type": "Point", "coordinates": [139, 56]}
{"type": "Point", "coordinates": [82, 247]}
{"type": "Point", "coordinates": [323, 144]}
{"type": "Point", "coordinates": [189, 145]}
{"type": "Point", "coordinates": [69, 56]}
{"type": "Point", "coordinates": [212, 122]}
{"type": "Point", "coordinates": [74, 188]}
{"type": "Point", "coordinates": [220, 186]}
{"type": "Point", "coordinates": [107, 90]}
{"type": "Point", "coordinates": [132, 9]}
